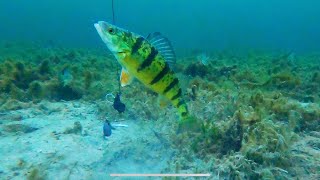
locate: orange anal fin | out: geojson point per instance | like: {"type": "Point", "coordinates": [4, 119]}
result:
{"type": "Point", "coordinates": [125, 78]}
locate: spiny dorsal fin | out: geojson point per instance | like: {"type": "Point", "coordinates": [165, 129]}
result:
{"type": "Point", "coordinates": [163, 45]}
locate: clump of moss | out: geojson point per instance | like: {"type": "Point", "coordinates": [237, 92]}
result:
{"type": "Point", "coordinates": [13, 104]}
{"type": "Point", "coordinates": [87, 79]}
{"type": "Point", "coordinates": [257, 99]}
{"type": "Point", "coordinates": [207, 141]}
{"type": "Point", "coordinates": [310, 117]}
{"type": "Point", "coordinates": [22, 76]}
{"type": "Point", "coordinates": [55, 59]}
{"type": "Point", "coordinates": [36, 174]}
{"type": "Point", "coordinates": [19, 128]}
{"type": "Point", "coordinates": [227, 70]}
{"type": "Point", "coordinates": [59, 91]}
{"type": "Point", "coordinates": [44, 67]}
{"type": "Point", "coordinates": [201, 84]}
{"type": "Point", "coordinates": [207, 138]}
{"type": "Point", "coordinates": [24, 81]}
{"type": "Point", "coordinates": [5, 85]}
{"type": "Point", "coordinates": [246, 75]}
{"type": "Point", "coordinates": [20, 67]}
{"type": "Point", "coordinates": [69, 93]}
{"type": "Point", "coordinates": [286, 80]}
{"type": "Point", "coordinates": [76, 129]}
{"type": "Point", "coordinates": [18, 76]}
{"type": "Point", "coordinates": [36, 90]}
{"type": "Point", "coordinates": [71, 55]}
{"type": "Point", "coordinates": [268, 143]}
{"type": "Point", "coordinates": [21, 163]}
{"type": "Point", "coordinates": [237, 166]}
{"type": "Point", "coordinates": [232, 136]}
{"type": "Point", "coordinates": [316, 78]}
{"type": "Point", "coordinates": [190, 124]}
{"type": "Point", "coordinates": [196, 69]}
{"type": "Point", "coordinates": [265, 139]}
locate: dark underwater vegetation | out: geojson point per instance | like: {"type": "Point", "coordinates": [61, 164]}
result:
{"type": "Point", "coordinates": [254, 120]}
{"type": "Point", "coordinates": [255, 102]}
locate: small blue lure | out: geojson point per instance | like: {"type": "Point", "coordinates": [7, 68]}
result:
{"type": "Point", "coordinates": [107, 129]}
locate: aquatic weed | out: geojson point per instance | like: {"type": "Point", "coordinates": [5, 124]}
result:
{"type": "Point", "coordinates": [203, 58]}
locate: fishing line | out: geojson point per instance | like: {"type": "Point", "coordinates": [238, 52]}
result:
{"type": "Point", "coordinates": [114, 22]}
{"type": "Point", "coordinates": [117, 104]}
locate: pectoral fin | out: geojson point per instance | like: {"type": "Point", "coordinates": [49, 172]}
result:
{"type": "Point", "coordinates": [125, 77]}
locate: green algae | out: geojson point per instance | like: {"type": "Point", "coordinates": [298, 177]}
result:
{"type": "Point", "coordinates": [37, 77]}
{"type": "Point", "coordinates": [269, 114]}
{"type": "Point", "coordinates": [246, 117]}
{"type": "Point", "coordinates": [44, 68]}
{"type": "Point", "coordinates": [36, 174]}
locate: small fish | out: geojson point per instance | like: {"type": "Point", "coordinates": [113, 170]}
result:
{"type": "Point", "coordinates": [66, 76]}
{"type": "Point", "coordinates": [147, 59]}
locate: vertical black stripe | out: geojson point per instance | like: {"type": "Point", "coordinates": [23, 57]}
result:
{"type": "Point", "coordinates": [171, 85]}
{"type": "Point", "coordinates": [137, 45]}
{"type": "Point", "coordinates": [147, 62]}
{"type": "Point", "coordinates": [177, 95]}
{"type": "Point", "coordinates": [162, 73]}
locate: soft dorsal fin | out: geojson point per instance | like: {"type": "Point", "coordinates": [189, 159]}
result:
{"type": "Point", "coordinates": [125, 78]}
{"type": "Point", "coordinates": [163, 45]}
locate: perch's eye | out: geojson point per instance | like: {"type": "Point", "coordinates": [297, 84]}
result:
{"type": "Point", "coordinates": [111, 31]}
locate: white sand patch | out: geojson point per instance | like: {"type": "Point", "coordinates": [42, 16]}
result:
{"type": "Point", "coordinates": [47, 151]}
